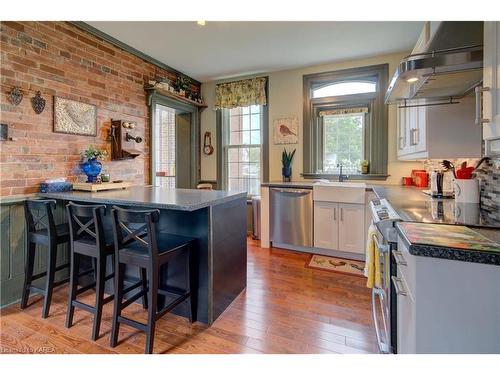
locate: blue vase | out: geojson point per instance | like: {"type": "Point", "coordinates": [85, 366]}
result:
{"type": "Point", "coordinates": [287, 173]}
{"type": "Point", "coordinates": [92, 168]}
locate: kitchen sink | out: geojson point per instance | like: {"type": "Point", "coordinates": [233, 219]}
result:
{"type": "Point", "coordinates": [345, 192]}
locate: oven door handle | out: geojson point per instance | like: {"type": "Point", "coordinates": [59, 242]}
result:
{"type": "Point", "coordinates": [383, 347]}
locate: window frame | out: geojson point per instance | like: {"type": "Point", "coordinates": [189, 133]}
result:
{"type": "Point", "coordinates": [376, 121]}
{"type": "Point", "coordinates": [222, 123]}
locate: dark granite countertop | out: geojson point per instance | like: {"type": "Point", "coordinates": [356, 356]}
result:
{"type": "Point", "coordinates": [448, 242]}
{"type": "Point", "coordinates": [153, 197]}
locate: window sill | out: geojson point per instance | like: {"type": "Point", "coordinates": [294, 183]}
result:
{"type": "Point", "coordinates": [315, 176]}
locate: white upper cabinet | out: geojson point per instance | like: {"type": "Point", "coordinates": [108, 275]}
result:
{"type": "Point", "coordinates": [491, 82]}
{"type": "Point", "coordinates": [438, 132]}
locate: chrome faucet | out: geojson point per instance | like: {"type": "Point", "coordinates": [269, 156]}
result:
{"type": "Point", "coordinates": [342, 177]}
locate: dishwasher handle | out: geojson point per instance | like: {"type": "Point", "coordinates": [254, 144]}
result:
{"type": "Point", "coordinates": [292, 191]}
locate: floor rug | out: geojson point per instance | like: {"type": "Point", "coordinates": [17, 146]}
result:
{"type": "Point", "coordinates": [327, 263]}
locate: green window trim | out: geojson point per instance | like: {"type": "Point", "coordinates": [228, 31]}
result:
{"type": "Point", "coordinates": [376, 121]}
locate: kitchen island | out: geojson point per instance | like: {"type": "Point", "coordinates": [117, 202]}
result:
{"type": "Point", "coordinates": [217, 219]}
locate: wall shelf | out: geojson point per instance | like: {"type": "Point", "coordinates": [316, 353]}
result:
{"type": "Point", "coordinates": [169, 94]}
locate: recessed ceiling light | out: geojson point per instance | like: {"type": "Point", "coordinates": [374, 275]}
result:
{"type": "Point", "coordinates": [412, 79]}
{"type": "Point", "coordinates": [201, 23]}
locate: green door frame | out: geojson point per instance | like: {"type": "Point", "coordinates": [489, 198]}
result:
{"type": "Point", "coordinates": [155, 98]}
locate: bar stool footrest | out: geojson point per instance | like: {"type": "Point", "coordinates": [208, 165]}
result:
{"type": "Point", "coordinates": [172, 305]}
{"type": "Point", "coordinates": [84, 306]}
{"type": "Point", "coordinates": [132, 287]}
{"type": "Point", "coordinates": [133, 323]}
{"type": "Point", "coordinates": [43, 274]}
{"type": "Point", "coordinates": [132, 299]}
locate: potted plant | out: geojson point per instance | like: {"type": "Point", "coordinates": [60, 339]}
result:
{"type": "Point", "coordinates": [286, 161]}
{"type": "Point", "coordinates": [182, 85]}
{"type": "Point", "coordinates": [365, 166]}
{"type": "Point", "coordinates": [90, 164]}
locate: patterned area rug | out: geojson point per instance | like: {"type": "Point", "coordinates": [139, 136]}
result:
{"type": "Point", "coordinates": [326, 263]}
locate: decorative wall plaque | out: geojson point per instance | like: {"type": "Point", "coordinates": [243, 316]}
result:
{"type": "Point", "coordinates": [38, 103]}
{"type": "Point", "coordinates": [16, 96]}
{"type": "Point", "coordinates": [73, 117]}
{"type": "Point", "coordinates": [285, 131]}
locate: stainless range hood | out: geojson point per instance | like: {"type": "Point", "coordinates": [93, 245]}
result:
{"type": "Point", "coordinates": [447, 67]}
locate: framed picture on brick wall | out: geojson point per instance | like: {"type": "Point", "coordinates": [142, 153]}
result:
{"type": "Point", "coordinates": [72, 117]}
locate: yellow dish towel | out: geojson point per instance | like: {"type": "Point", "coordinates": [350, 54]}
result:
{"type": "Point", "coordinates": [372, 262]}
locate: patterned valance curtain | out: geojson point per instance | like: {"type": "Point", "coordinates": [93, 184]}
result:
{"type": "Point", "coordinates": [343, 111]}
{"type": "Point", "coordinates": [241, 93]}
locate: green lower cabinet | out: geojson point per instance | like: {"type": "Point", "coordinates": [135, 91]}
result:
{"type": "Point", "coordinates": [13, 250]}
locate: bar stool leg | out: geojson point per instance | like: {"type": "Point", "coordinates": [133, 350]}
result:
{"type": "Point", "coordinates": [99, 296]}
{"type": "Point", "coordinates": [144, 278]}
{"type": "Point", "coordinates": [152, 296]}
{"type": "Point", "coordinates": [73, 286]}
{"type": "Point", "coordinates": [30, 261]}
{"type": "Point", "coordinates": [117, 308]}
{"type": "Point", "coordinates": [49, 284]}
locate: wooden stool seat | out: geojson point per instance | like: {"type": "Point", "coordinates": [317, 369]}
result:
{"type": "Point", "coordinates": [42, 230]}
{"type": "Point", "coordinates": [137, 243]}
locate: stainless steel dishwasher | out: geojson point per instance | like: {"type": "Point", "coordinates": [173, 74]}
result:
{"type": "Point", "coordinates": [291, 221]}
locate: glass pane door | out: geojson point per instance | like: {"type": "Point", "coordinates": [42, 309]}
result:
{"type": "Point", "coordinates": [164, 147]}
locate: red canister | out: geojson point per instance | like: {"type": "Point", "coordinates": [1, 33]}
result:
{"type": "Point", "coordinates": [421, 179]}
{"type": "Point", "coordinates": [407, 181]}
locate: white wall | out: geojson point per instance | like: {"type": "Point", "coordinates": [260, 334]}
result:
{"type": "Point", "coordinates": [285, 100]}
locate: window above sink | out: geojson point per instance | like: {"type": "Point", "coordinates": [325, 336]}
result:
{"type": "Point", "coordinates": [345, 122]}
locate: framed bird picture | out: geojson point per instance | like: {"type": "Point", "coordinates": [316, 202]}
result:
{"type": "Point", "coordinates": [71, 117]}
{"type": "Point", "coordinates": [286, 131]}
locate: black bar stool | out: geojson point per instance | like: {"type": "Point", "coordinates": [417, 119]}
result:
{"type": "Point", "coordinates": [42, 230]}
{"type": "Point", "coordinates": [87, 239]}
{"type": "Point", "coordinates": [138, 244]}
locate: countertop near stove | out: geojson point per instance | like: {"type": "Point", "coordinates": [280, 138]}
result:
{"type": "Point", "coordinates": [413, 205]}
{"type": "Point", "coordinates": [454, 242]}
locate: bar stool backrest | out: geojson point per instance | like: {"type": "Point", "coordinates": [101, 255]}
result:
{"type": "Point", "coordinates": [85, 223]}
{"type": "Point", "coordinates": [135, 227]}
{"type": "Point", "coordinates": [39, 216]}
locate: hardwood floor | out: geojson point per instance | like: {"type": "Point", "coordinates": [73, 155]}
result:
{"type": "Point", "coordinates": [286, 308]}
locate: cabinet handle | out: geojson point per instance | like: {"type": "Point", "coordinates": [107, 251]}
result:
{"type": "Point", "coordinates": [341, 213]}
{"type": "Point", "coordinates": [412, 137]}
{"type": "Point", "coordinates": [399, 258]}
{"type": "Point", "coordinates": [398, 285]}
{"type": "Point", "coordinates": [401, 144]}
{"type": "Point", "coordinates": [335, 214]}
{"type": "Point", "coordinates": [479, 93]}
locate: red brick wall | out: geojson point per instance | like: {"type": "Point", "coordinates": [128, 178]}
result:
{"type": "Point", "coordinates": [61, 60]}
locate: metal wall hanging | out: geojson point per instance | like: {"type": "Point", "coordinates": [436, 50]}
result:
{"type": "Point", "coordinates": [16, 96]}
{"type": "Point", "coordinates": [73, 117]}
{"type": "Point", "coordinates": [38, 103]}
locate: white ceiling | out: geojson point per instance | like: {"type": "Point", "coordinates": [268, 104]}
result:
{"type": "Point", "coordinates": [227, 49]}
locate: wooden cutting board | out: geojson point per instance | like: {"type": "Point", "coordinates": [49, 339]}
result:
{"type": "Point", "coordinates": [102, 186]}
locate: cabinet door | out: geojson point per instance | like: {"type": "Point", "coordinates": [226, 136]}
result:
{"type": "Point", "coordinates": [352, 228]}
{"type": "Point", "coordinates": [326, 216]}
{"type": "Point", "coordinates": [419, 135]}
{"type": "Point", "coordinates": [491, 79]}
{"type": "Point", "coordinates": [406, 324]}
{"type": "Point", "coordinates": [402, 137]}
